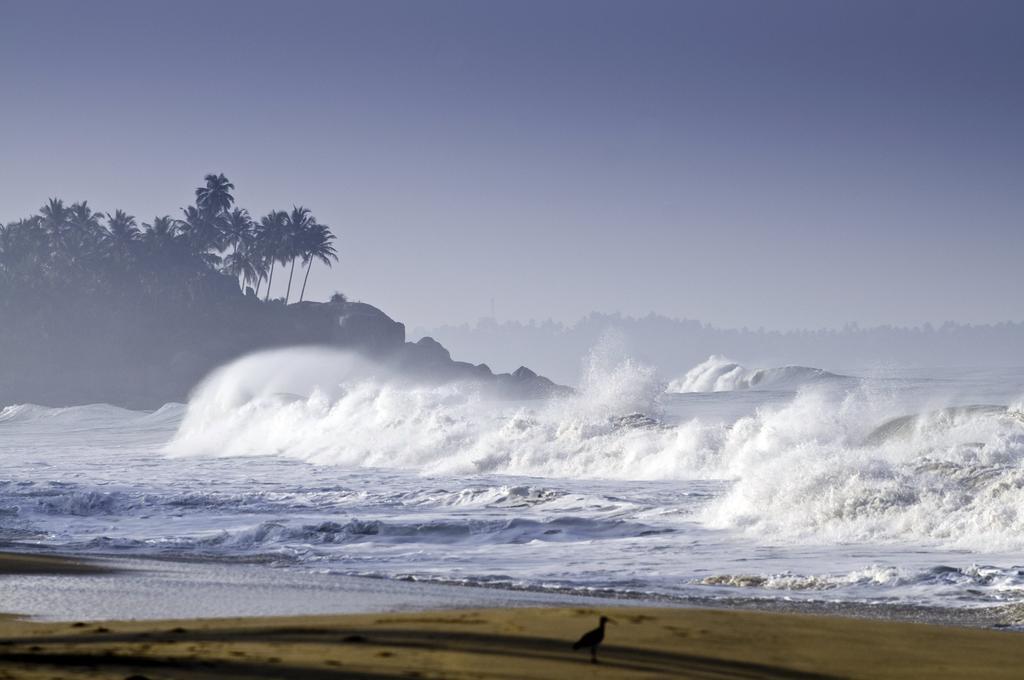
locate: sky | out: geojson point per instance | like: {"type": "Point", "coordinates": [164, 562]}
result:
{"type": "Point", "coordinates": [761, 163]}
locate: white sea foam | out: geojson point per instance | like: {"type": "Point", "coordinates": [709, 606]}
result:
{"type": "Point", "coordinates": [822, 466]}
{"type": "Point", "coordinates": [860, 489]}
{"type": "Point", "coordinates": [348, 413]}
{"type": "Point", "coordinates": [718, 374]}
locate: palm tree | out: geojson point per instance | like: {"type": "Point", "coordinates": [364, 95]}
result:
{"type": "Point", "coordinates": [243, 262]}
{"type": "Point", "coordinates": [24, 249]}
{"type": "Point", "coordinates": [161, 238]}
{"type": "Point", "coordinates": [83, 235]}
{"type": "Point", "coordinates": [55, 218]}
{"type": "Point", "coordinates": [297, 225]}
{"type": "Point", "coordinates": [166, 249]}
{"type": "Point", "coordinates": [317, 246]}
{"type": "Point", "coordinates": [122, 234]}
{"type": "Point", "coordinates": [84, 219]}
{"type": "Point", "coordinates": [236, 227]}
{"type": "Point", "coordinates": [6, 250]}
{"type": "Point", "coordinates": [202, 233]}
{"type": "Point", "coordinates": [215, 198]}
{"type": "Point", "coordinates": [259, 264]}
{"type": "Point", "coordinates": [68, 248]}
{"type": "Point", "coordinates": [161, 231]}
{"type": "Point", "coordinates": [239, 231]}
{"type": "Point", "coordinates": [270, 240]}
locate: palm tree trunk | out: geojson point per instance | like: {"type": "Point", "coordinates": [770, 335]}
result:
{"type": "Point", "coordinates": [259, 282]}
{"type": "Point", "coordinates": [270, 281]}
{"type": "Point", "coordinates": [305, 279]}
{"type": "Point", "coordinates": [288, 294]}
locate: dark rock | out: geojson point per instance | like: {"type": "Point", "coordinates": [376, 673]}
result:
{"type": "Point", "coordinates": [635, 421]}
{"type": "Point", "coordinates": [363, 327]}
{"type": "Point", "coordinates": [97, 354]}
{"type": "Point", "coordinates": [431, 351]}
{"type": "Point", "coordinates": [525, 384]}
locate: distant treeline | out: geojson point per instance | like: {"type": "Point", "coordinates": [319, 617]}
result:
{"type": "Point", "coordinates": [73, 251]}
{"type": "Point", "coordinates": [676, 345]}
{"type": "Point", "coordinates": [95, 307]}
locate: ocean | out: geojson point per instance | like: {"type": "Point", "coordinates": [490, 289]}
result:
{"type": "Point", "coordinates": [725, 485]}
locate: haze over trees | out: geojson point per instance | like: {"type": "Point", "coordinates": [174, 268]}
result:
{"type": "Point", "coordinates": [102, 308]}
{"type": "Point", "coordinates": [106, 307]}
{"type": "Point", "coordinates": [74, 251]}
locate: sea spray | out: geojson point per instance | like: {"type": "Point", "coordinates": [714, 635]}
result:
{"type": "Point", "coordinates": [878, 490]}
{"type": "Point", "coordinates": [719, 374]}
{"type": "Point", "coordinates": [954, 477]}
{"type": "Point", "coordinates": [336, 408]}
{"type": "Point", "coordinates": [810, 468]}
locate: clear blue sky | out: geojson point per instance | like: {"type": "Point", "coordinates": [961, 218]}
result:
{"type": "Point", "coordinates": [785, 164]}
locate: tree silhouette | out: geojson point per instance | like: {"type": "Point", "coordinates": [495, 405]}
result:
{"type": "Point", "coordinates": [163, 244]}
{"type": "Point", "coordinates": [161, 233]}
{"type": "Point", "coordinates": [245, 262]}
{"type": "Point", "coordinates": [236, 227]}
{"type": "Point", "coordinates": [25, 251]}
{"type": "Point", "coordinates": [271, 238]}
{"type": "Point", "coordinates": [215, 198]}
{"type": "Point", "coordinates": [82, 239]}
{"type": "Point", "coordinates": [202, 233]}
{"type": "Point", "coordinates": [69, 252]}
{"type": "Point", "coordinates": [297, 225]}
{"type": "Point", "coordinates": [55, 218]}
{"type": "Point", "coordinates": [317, 246]}
{"type": "Point", "coordinates": [82, 218]}
{"type": "Point", "coordinates": [122, 234]}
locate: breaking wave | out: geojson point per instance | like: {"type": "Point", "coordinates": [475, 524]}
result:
{"type": "Point", "coordinates": [823, 466]}
{"type": "Point", "coordinates": [718, 374]}
{"type": "Point", "coordinates": [88, 416]}
{"type": "Point", "coordinates": [819, 471]}
{"type": "Point", "coordinates": [984, 583]}
{"type": "Point", "coordinates": [339, 409]}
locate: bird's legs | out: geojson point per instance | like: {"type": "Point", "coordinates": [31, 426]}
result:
{"type": "Point", "coordinates": [593, 655]}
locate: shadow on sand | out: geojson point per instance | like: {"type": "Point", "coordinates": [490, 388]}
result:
{"type": "Point", "coordinates": [348, 653]}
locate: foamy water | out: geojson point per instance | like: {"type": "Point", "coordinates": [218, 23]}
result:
{"type": "Point", "coordinates": [799, 483]}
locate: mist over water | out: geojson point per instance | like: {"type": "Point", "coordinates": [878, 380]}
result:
{"type": "Point", "coordinates": [347, 411]}
{"type": "Point", "coordinates": [728, 481]}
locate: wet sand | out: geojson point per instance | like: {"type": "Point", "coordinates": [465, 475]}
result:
{"type": "Point", "coordinates": [24, 563]}
{"type": "Point", "coordinates": [494, 642]}
{"type": "Point", "coordinates": [516, 643]}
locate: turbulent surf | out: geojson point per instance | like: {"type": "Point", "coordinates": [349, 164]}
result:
{"type": "Point", "coordinates": [899, 488]}
{"type": "Point", "coordinates": [718, 374]}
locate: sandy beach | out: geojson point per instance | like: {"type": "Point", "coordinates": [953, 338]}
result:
{"type": "Point", "coordinates": [410, 339]}
{"type": "Point", "coordinates": [25, 563]}
{"type": "Point", "coordinates": [501, 642]}
{"type": "Point", "coordinates": [522, 643]}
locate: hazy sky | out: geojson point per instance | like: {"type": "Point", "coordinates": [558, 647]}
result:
{"type": "Point", "coordinates": [785, 164]}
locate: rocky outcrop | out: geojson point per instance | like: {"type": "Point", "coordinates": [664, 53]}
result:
{"type": "Point", "coordinates": [98, 354]}
{"type": "Point", "coordinates": [369, 331]}
{"type": "Point", "coordinates": [428, 361]}
{"type": "Point", "coordinates": [365, 328]}
{"type": "Point", "coordinates": [526, 384]}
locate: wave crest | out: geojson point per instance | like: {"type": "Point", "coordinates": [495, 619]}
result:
{"type": "Point", "coordinates": [718, 374]}
{"type": "Point", "coordinates": [334, 408]}
{"type": "Point", "coordinates": [817, 467]}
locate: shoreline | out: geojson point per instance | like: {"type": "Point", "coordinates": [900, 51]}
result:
{"type": "Point", "coordinates": [400, 629]}
{"type": "Point", "coordinates": [114, 587]}
{"type": "Point", "coordinates": [32, 563]}
{"type": "Point", "coordinates": [643, 642]}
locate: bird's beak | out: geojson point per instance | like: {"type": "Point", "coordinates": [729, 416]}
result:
{"type": "Point", "coordinates": [613, 621]}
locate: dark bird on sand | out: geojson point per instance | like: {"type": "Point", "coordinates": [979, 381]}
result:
{"type": "Point", "coordinates": [592, 639]}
